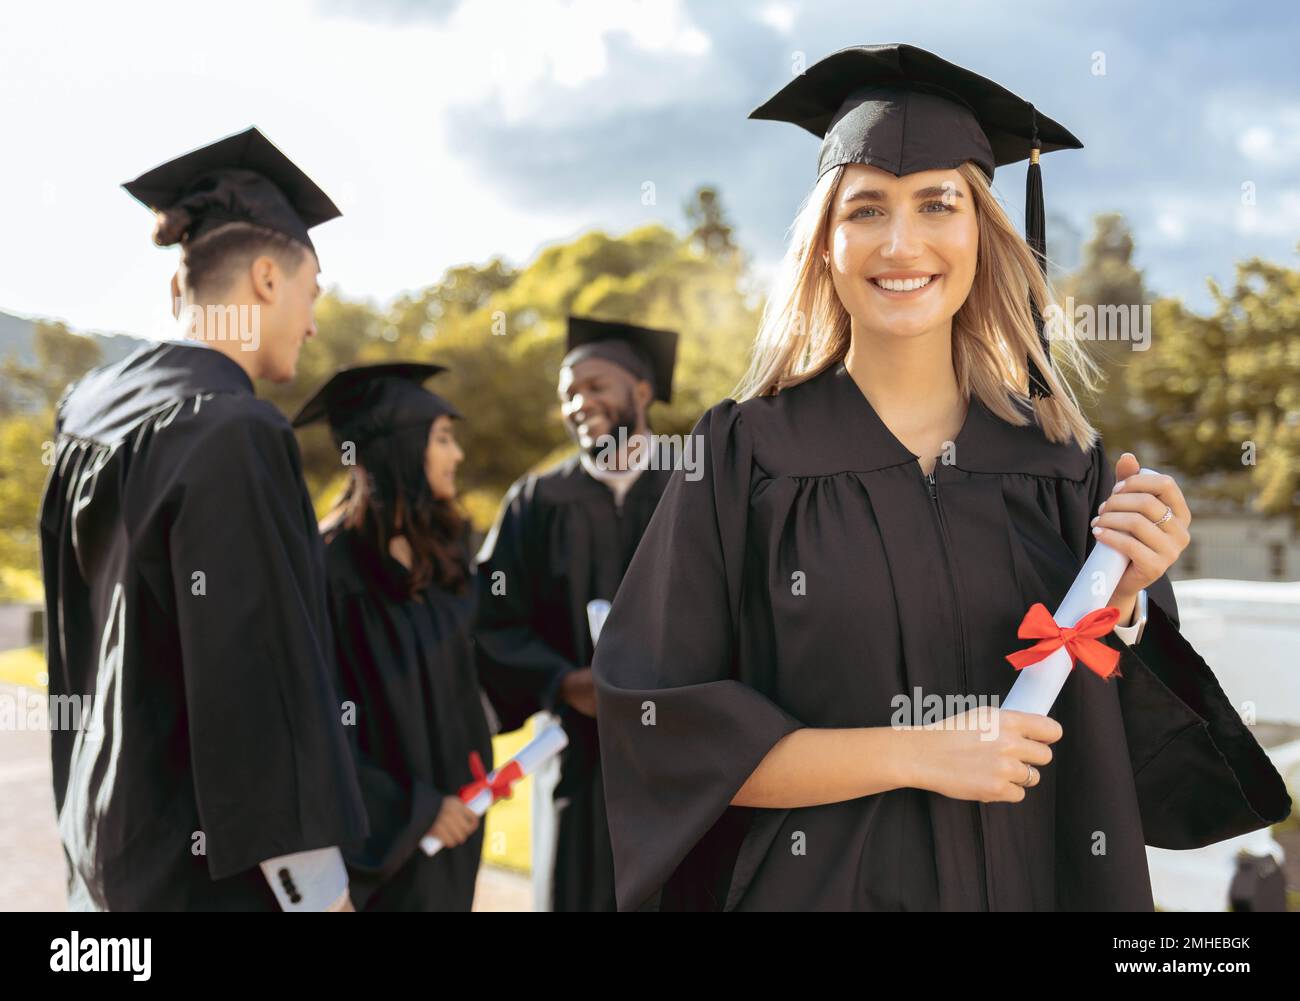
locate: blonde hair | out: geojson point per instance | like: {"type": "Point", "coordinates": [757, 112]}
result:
{"type": "Point", "coordinates": [806, 329]}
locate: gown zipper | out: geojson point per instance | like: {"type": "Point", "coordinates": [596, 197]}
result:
{"type": "Point", "coordinates": [932, 482]}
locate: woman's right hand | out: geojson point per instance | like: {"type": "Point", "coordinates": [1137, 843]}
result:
{"type": "Point", "coordinates": [455, 822]}
{"type": "Point", "coordinates": [982, 754]}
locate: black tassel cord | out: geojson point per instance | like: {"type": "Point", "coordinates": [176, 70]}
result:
{"type": "Point", "coordinates": [1036, 237]}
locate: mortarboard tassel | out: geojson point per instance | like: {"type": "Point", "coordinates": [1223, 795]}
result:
{"type": "Point", "coordinates": [1036, 237]}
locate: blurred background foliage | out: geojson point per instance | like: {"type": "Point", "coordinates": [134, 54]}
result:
{"type": "Point", "coordinates": [1207, 384]}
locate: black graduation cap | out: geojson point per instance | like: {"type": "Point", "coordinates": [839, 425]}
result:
{"type": "Point", "coordinates": [904, 110]}
{"type": "Point", "coordinates": [364, 402]}
{"type": "Point", "coordinates": [647, 353]}
{"type": "Point", "coordinates": [242, 178]}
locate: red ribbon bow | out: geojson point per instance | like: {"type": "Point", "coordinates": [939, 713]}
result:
{"type": "Point", "coordinates": [1080, 639]}
{"type": "Point", "coordinates": [500, 782]}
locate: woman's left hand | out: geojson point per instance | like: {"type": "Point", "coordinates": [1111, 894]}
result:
{"type": "Point", "coordinates": [1128, 521]}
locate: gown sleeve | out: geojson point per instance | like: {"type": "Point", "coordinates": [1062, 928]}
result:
{"type": "Point", "coordinates": [400, 809]}
{"type": "Point", "coordinates": [1201, 776]}
{"type": "Point", "coordinates": [680, 733]}
{"type": "Point", "coordinates": [519, 671]}
{"type": "Point", "coordinates": [272, 774]}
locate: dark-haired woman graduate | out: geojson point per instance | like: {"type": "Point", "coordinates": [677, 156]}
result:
{"type": "Point", "coordinates": [768, 674]}
{"type": "Point", "coordinates": [402, 603]}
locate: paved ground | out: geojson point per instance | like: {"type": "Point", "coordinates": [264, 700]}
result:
{"type": "Point", "coordinates": [31, 860]}
{"type": "Point", "coordinates": [502, 890]}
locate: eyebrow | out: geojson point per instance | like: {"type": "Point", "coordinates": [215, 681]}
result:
{"type": "Point", "coordinates": [876, 195]}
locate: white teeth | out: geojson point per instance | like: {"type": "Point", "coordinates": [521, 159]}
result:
{"type": "Point", "coordinates": [902, 284]}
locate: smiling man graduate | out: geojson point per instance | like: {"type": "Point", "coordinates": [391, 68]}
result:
{"type": "Point", "coordinates": [564, 538]}
{"type": "Point", "coordinates": [184, 578]}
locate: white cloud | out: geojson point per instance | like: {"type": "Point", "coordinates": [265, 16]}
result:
{"type": "Point", "coordinates": [1275, 213]}
{"type": "Point", "coordinates": [1172, 225]}
{"type": "Point", "coordinates": [91, 98]}
{"type": "Point", "coordinates": [779, 16]}
{"type": "Point", "coordinates": [524, 55]}
{"type": "Point", "coordinates": [1263, 128]}
{"type": "Point", "coordinates": [375, 108]}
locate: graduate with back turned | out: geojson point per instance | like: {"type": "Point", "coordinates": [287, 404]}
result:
{"type": "Point", "coordinates": [564, 538]}
{"type": "Point", "coordinates": [800, 680]}
{"type": "Point", "coordinates": [184, 576]}
{"type": "Point", "coordinates": [402, 605]}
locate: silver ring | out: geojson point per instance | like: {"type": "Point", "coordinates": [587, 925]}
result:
{"type": "Point", "coordinates": [1169, 513]}
{"type": "Point", "coordinates": [1028, 778]}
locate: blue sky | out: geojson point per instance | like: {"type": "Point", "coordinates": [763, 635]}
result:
{"type": "Point", "coordinates": [452, 131]}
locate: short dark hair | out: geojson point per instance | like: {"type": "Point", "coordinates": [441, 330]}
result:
{"type": "Point", "coordinates": [209, 263]}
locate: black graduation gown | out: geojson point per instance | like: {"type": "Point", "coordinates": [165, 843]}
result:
{"type": "Point", "coordinates": [185, 597]}
{"type": "Point", "coordinates": [559, 542]}
{"type": "Point", "coordinates": [902, 591]}
{"type": "Point", "coordinates": [408, 666]}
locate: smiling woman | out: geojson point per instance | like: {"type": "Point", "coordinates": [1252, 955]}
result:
{"type": "Point", "coordinates": [905, 473]}
{"type": "Point", "coordinates": [906, 256]}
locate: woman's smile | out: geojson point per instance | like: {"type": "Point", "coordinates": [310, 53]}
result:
{"type": "Point", "coordinates": [911, 287]}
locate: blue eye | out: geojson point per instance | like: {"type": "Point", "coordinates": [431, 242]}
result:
{"type": "Point", "coordinates": [943, 207]}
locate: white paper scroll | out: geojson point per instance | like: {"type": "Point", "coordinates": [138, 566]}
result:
{"type": "Point", "coordinates": [597, 613]}
{"type": "Point", "coordinates": [545, 811]}
{"type": "Point", "coordinates": [545, 832]}
{"type": "Point", "coordinates": [532, 756]}
{"type": "Point", "coordinates": [1038, 685]}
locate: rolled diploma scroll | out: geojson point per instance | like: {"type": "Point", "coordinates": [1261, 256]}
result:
{"type": "Point", "coordinates": [544, 810]}
{"type": "Point", "coordinates": [1039, 684]}
{"type": "Point", "coordinates": [597, 612]}
{"type": "Point", "coordinates": [531, 757]}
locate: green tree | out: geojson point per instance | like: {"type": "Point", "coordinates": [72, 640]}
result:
{"type": "Point", "coordinates": [26, 444]}
{"type": "Point", "coordinates": [347, 332]}
{"type": "Point", "coordinates": [501, 333]}
{"type": "Point", "coordinates": [711, 233]}
{"type": "Point", "coordinates": [26, 450]}
{"type": "Point", "coordinates": [62, 357]}
{"type": "Point", "coordinates": [1108, 279]}
{"type": "Point", "coordinates": [1222, 392]}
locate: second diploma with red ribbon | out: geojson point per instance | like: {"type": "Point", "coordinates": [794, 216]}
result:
{"type": "Point", "coordinates": [486, 789]}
